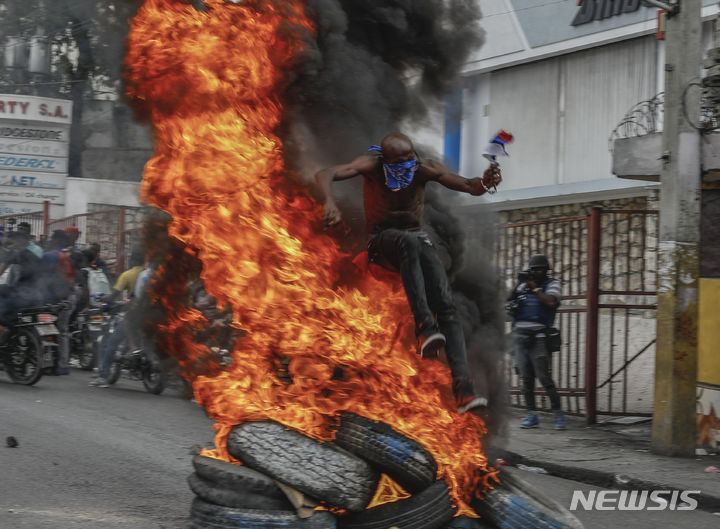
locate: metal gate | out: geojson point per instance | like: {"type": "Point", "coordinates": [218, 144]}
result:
{"type": "Point", "coordinates": [606, 262]}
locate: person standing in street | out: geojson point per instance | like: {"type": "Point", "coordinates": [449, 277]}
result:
{"type": "Point", "coordinates": [532, 306]}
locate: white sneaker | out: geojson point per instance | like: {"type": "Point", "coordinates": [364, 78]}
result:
{"type": "Point", "coordinates": [431, 344]}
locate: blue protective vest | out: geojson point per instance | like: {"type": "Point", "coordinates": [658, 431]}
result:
{"type": "Point", "coordinates": [532, 310]}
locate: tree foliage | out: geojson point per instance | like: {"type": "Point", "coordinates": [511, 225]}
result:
{"type": "Point", "coordinates": [87, 40]}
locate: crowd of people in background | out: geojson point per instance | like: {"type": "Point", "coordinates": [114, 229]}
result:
{"type": "Point", "coordinates": [57, 270]}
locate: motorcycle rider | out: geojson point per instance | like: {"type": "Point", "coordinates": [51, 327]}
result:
{"type": "Point", "coordinates": [60, 286]}
{"type": "Point", "coordinates": [124, 286]}
{"type": "Point", "coordinates": [25, 268]}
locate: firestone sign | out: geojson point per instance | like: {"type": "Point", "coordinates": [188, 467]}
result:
{"type": "Point", "coordinates": [34, 146]}
{"type": "Point", "coordinates": [601, 9]}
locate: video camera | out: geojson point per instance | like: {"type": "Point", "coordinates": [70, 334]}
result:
{"type": "Point", "coordinates": [526, 275]}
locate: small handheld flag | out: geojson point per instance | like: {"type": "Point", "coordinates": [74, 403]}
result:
{"type": "Point", "coordinates": [496, 147]}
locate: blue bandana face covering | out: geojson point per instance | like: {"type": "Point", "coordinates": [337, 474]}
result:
{"type": "Point", "coordinates": [397, 175]}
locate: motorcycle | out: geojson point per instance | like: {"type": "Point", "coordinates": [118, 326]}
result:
{"type": "Point", "coordinates": [86, 335]}
{"type": "Point", "coordinates": [28, 345]}
{"type": "Point", "coordinates": [138, 364]}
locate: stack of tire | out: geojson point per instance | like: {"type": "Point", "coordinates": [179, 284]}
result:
{"type": "Point", "coordinates": [343, 474]}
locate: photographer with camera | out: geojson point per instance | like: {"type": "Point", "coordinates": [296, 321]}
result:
{"type": "Point", "coordinates": [532, 306]}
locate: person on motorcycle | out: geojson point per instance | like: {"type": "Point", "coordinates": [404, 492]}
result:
{"type": "Point", "coordinates": [34, 248]}
{"type": "Point", "coordinates": [393, 195]}
{"type": "Point", "coordinates": [124, 289]}
{"type": "Point", "coordinates": [60, 285]}
{"type": "Point", "coordinates": [24, 268]}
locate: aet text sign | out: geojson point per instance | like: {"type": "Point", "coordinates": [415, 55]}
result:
{"type": "Point", "coordinates": [30, 179]}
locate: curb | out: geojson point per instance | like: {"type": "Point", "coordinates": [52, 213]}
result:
{"type": "Point", "coordinates": [610, 480]}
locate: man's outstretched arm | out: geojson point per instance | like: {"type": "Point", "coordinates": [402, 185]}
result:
{"type": "Point", "coordinates": [325, 178]}
{"type": "Point", "coordinates": [472, 186]}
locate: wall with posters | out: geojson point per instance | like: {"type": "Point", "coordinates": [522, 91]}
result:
{"type": "Point", "coordinates": [34, 147]}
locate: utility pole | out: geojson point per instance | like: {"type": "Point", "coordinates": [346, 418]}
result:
{"type": "Point", "coordinates": [674, 423]}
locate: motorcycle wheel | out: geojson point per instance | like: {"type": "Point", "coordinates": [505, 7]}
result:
{"type": "Point", "coordinates": [86, 353]}
{"type": "Point", "coordinates": [114, 372]}
{"type": "Point", "coordinates": [154, 379]}
{"type": "Point", "coordinates": [23, 359]}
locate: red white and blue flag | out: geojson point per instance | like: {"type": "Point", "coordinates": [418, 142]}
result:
{"type": "Point", "coordinates": [496, 147]}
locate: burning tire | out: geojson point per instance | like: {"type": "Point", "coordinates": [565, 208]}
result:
{"type": "Point", "coordinates": [235, 477]}
{"type": "Point", "coordinates": [429, 509]}
{"type": "Point", "coordinates": [401, 458]}
{"type": "Point", "coordinates": [320, 470]}
{"type": "Point", "coordinates": [516, 503]}
{"type": "Point", "coordinates": [236, 498]}
{"type": "Point", "coordinates": [205, 515]}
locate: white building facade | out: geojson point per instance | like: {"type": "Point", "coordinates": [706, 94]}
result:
{"type": "Point", "coordinates": [561, 77]}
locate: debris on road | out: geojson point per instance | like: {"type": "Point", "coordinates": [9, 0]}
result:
{"type": "Point", "coordinates": [537, 470]}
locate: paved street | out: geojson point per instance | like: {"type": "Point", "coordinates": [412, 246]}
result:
{"type": "Point", "coordinates": [119, 458]}
{"type": "Point", "coordinates": [93, 457]}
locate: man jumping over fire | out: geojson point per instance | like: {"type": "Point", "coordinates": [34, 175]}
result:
{"type": "Point", "coordinates": [394, 194]}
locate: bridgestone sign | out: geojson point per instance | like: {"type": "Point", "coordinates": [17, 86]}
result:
{"type": "Point", "coordinates": [34, 147]}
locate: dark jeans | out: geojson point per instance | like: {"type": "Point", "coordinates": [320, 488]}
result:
{"type": "Point", "coordinates": [533, 361]}
{"type": "Point", "coordinates": [111, 346]}
{"type": "Point", "coordinates": [63, 326]}
{"type": "Point", "coordinates": [428, 291]}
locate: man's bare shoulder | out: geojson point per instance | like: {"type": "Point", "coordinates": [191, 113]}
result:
{"type": "Point", "coordinates": [366, 163]}
{"type": "Point", "coordinates": [430, 169]}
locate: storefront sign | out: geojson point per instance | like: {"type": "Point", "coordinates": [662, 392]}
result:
{"type": "Point", "coordinates": [601, 9]}
{"type": "Point", "coordinates": [18, 208]}
{"type": "Point", "coordinates": [34, 163]}
{"type": "Point", "coordinates": [33, 195]}
{"type": "Point", "coordinates": [34, 132]}
{"type": "Point", "coordinates": [19, 107]}
{"type": "Point", "coordinates": [30, 179]}
{"type": "Point", "coordinates": [34, 147]}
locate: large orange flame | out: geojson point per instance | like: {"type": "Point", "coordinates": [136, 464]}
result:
{"type": "Point", "coordinates": [210, 81]}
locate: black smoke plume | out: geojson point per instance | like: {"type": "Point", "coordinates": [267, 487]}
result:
{"type": "Point", "coordinates": [371, 66]}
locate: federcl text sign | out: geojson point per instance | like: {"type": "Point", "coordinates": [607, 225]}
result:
{"type": "Point", "coordinates": [634, 500]}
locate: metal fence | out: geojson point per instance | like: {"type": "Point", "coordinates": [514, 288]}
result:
{"type": "Point", "coordinates": [606, 264]}
{"type": "Point", "coordinates": [37, 219]}
{"type": "Point", "coordinates": [107, 227]}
